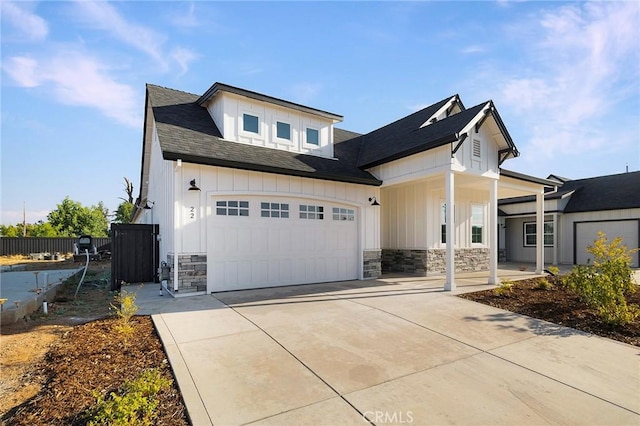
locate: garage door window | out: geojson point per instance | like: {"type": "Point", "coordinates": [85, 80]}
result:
{"type": "Point", "coordinates": [311, 212]}
{"type": "Point", "coordinates": [530, 234]}
{"type": "Point", "coordinates": [232, 208]}
{"type": "Point", "coordinates": [279, 210]}
{"type": "Point", "coordinates": [344, 214]}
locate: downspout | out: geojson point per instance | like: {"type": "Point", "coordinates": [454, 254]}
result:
{"type": "Point", "coordinates": [176, 228]}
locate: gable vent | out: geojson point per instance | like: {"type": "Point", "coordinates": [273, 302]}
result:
{"type": "Point", "coordinates": [476, 148]}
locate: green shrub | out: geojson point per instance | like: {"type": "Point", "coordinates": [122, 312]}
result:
{"type": "Point", "coordinates": [543, 284]}
{"type": "Point", "coordinates": [505, 288]}
{"type": "Point", "coordinates": [134, 404]}
{"type": "Point", "coordinates": [126, 308]}
{"type": "Point", "coordinates": [605, 284]}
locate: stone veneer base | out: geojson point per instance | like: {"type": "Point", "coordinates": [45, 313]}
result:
{"type": "Point", "coordinates": [192, 272]}
{"type": "Point", "coordinates": [423, 262]}
{"type": "Point", "coordinates": [371, 264]}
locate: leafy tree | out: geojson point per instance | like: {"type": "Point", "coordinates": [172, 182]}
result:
{"type": "Point", "coordinates": [124, 212]}
{"type": "Point", "coordinates": [41, 229]}
{"type": "Point", "coordinates": [11, 231]}
{"type": "Point", "coordinates": [71, 219]}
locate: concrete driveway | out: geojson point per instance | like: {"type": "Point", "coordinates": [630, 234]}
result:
{"type": "Point", "coordinates": [389, 351]}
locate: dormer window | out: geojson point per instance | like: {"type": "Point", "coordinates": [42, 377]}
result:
{"type": "Point", "coordinates": [250, 123]}
{"type": "Point", "coordinates": [283, 130]}
{"type": "Point", "coordinates": [313, 136]}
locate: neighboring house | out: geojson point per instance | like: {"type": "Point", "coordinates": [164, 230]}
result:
{"type": "Point", "coordinates": [574, 214]}
{"type": "Point", "coordinates": [253, 191]}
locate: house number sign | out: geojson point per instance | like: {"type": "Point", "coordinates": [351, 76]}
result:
{"type": "Point", "coordinates": [192, 212]}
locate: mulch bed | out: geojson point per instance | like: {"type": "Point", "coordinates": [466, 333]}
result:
{"type": "Point", "coordinates": [92, 357]}
{"type": "Point", "coordinates": [560, 306]}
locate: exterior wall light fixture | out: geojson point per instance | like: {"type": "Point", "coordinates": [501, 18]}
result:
{"type": "Point", "coordinates": [193, 186]}
{"type": "Point", "coordinates": [374, 201]}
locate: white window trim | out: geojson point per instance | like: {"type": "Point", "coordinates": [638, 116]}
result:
{"type": "Point", "coordinates": [483, 226]}
{"type": "Point", "coordinates": [243, 132]}
{"type": "Point", "coordinates": [311, 145]}
{"type": "Point", "coordinates": [524, 234]}
{"type": "Point", "coordinates": [275, 132]}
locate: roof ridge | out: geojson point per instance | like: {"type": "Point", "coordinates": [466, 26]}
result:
{"type": "Point", "coordinates": [169, 88]}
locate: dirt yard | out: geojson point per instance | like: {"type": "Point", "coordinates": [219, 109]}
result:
{"type": "Point", "coordinates": [53, 365]}
{"type": "Point", "coordinates": [560, 306]}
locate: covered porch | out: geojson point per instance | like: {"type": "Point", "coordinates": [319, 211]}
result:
{"type": "Point", "coordinates": [417, 223]}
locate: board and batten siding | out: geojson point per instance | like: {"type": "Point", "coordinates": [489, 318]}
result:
{"type": "Point", "coordinates": [411, 215]}
{"type": "Point", "coordinates": [438, 160]}
{"type": "Point", "coordinates": [196, 206]}
{"type": "Point", "coordinates": [227, 111]}
{"type": "Point", "coordinates": [160, 193]}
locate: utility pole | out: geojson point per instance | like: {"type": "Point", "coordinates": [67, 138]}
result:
{"type": "Point", "coordinates": [24, 219]}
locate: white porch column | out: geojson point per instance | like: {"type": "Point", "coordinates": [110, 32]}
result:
{"type": "Point", "coordinates": [493, 232]}
{"type": "Point", "coordinates": [555, 238]}
{"type": "Point", "coordinates": [539, 232]}
{"type": "Point", "coordinates": [449, 185]}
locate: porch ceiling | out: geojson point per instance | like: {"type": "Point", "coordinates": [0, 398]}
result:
{"type": "Point", "coordinates": [507, 186]}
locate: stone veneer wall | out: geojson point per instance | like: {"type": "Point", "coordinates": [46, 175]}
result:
{"type": "Point", "coordinates": [372, 263]}
{"type": "Point", "coordinates": [502, 255]}
{"type": "Point", "coordinates": [404, 261]}
{"type": "Point", "coordinates": [192, 272]}
{"type": "Point", "coordinates": [422, 262]}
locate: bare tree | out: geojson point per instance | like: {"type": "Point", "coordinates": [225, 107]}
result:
{"type": "Point", "coordinates": [128, 188]}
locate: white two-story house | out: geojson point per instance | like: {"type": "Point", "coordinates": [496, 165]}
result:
{"type": "Point", "coordinates": [253, 191]}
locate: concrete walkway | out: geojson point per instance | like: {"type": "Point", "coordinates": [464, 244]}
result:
{"type": "Point", "coordinates": [396, 350]}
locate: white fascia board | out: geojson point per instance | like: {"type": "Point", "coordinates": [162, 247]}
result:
{"type": "Point", "coordinates": [479, 116]}
{"type": "Point", "coordinates": [444, 108]}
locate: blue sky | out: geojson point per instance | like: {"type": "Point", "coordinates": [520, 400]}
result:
{"type": "Point", "coordinates": [565, 78]}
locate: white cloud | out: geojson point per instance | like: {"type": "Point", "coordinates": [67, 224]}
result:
{"type": "Point", "coordinates": [23, 70]}
{"type": "Point", "coordinates": [103, 16]}
{"type": "Point", "coordinates": [29, 24]}
{"type": "Point", "coordinates": [583, 62]}
{"type": "Point", "coordinates": [476, 48]}
{"type": "Point", "coordinates": [78, 79]}
{"type": "Point", "coordinates": [188, 19]}
{"type": "Point", "coordinates": [305, 92]}
{"type": "Point", "coordinates": [183, 57]}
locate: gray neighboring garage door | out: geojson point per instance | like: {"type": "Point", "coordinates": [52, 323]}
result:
{"type": "Point", "coordinates": [586, 232]}
{"type": "Point", "coordinates": [271, 241]}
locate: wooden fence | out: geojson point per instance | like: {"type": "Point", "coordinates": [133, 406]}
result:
{"type": "Point", "coordinates": [25, 246]}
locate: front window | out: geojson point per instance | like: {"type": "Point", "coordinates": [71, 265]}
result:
{"type": "Point", "coordinates": [530, 234]}
{"type": "Point", "coordinates": [477, 223]}
{"type": "Point", "coordinates": [250, 123]}
{"type": "Point", "coordinates": [313, 137]}
{"type": "Point", "coordinates": [283, 130]}
{"type": "Point", "coordinates": [443, 223]}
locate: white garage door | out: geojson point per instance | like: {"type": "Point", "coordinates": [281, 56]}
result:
{"type": "Point", "coordinates": [267, 242]}
{"type": "Point", "coordinates": [586, 233]}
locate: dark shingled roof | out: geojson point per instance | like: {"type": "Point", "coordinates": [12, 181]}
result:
{"type": "Point", "coordinates": [405, 137]}
{"type": "Point", "coordinates": [186, 131]}
{"type": "Point", "coordinates": [612, 192]}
